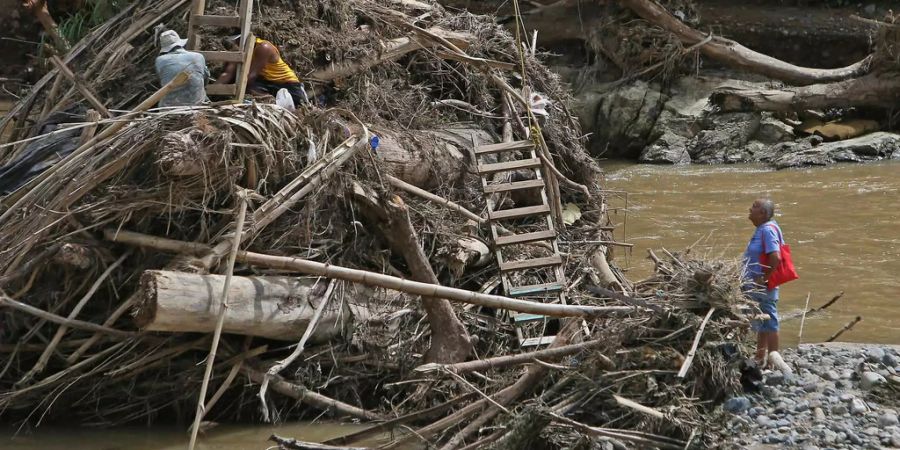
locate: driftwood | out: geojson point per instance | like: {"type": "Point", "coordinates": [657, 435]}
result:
{"type": "Point", "coordinates": [272, 307]}
{"type": "Point", "coordinates": [736, 55]}
{"type": "Point", "coordinates": [293, 444]}
{"type": "Point", "coordinates": [450, 341]}
{"type": "Point", "coordinates": [874, 90]}
{"type": "Point", "coordinates": [844, 329]}
{"type": "Point", "coordinates": [549, 354]}
{"type": "Point", "coordinates": [384, 281]}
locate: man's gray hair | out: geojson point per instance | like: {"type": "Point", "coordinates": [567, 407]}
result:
{"type": "Point", "coordinates": [768, 206]}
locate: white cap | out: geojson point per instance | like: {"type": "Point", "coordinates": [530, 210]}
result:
{"type": "Point", "coordinates": [168, 40]}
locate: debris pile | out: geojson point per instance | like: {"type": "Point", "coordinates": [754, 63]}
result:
{"type": "Point", "coordinates": [121, 234]}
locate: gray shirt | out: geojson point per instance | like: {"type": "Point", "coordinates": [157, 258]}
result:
{"type": "Point", "coordinates": [169, 65]}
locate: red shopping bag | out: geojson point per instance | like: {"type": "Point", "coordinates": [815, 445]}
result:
{"type": "Point", "coordinates": [785, 271]}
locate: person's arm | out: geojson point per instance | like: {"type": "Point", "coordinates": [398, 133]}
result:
{"type": "Point", "coordinates": [774, 259]}
{"type": "Point", "coordinates": [263, 54]}
{"type": "Point", "coordinates": [227, 76]}
{"type": "Point", "coordinates": [771, 246]}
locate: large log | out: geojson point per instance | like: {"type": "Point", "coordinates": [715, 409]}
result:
{"type": "Point", "coordinates": [737, 56]}
{"type": "Point", "coordinates": [873, 90]}
{"type": "Point", "coordinates": [272, 307]}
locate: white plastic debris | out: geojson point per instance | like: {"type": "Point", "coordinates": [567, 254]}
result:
{"type": "Point", "coordinates": [284, 100]}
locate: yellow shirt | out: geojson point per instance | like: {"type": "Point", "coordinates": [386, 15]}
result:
{"type": "Point", "coordinates": [278, 71]}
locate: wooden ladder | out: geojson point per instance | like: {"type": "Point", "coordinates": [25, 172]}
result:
{"type": "Point", "coordinates": [198, 19]}
{"type": "Point", "coordinates": [539, 279]}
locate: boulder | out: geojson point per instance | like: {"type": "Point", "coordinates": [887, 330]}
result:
{"type": "Point", "coordinates": [724, 137]}
{"type": "Point", "coordinates": [864, 148]}
{"type": "Point", "coordinates": [621, 120]}
{"type": "Point", "coordinates": [669, 148]}
{"type": "Point", "coordinates": [773, 131]}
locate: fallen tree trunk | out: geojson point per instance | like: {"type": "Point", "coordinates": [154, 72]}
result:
{"type": "Point", "coordinates": [874, 90]}
{"type": "Point", "coordinates": [271, 307]}
{"type": "Point", "coordinates": [736, 55]}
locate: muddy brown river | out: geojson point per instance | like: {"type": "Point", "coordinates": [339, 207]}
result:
{"type": "Point", "coordinates": [842, 222]}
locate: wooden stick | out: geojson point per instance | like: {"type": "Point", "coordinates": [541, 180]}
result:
{"type": "Point", "coordinates": [210, 360]}
{"type": "Point", "coordinates": [294, 444]}
{"type": "Point", "coordinates": [639, 407]}
{"type": "Point", "coordinates": [425, 413]}
{"type": "Point", "coordinates": [845, 328]}
{"type": "Point", "coordinates": [298, 350]}
{"type": "Point", "coordinates": [400, 184]}
{"type": "Point", "coordinates": [802, 320]}
{"type": "Point", "coordinates": [80, 85]}
{"type": "Point", "coordinates": [693, 351]}
{"type": "Point", "coordinates": [387, 281]}
{"type": "Point", "coordinates": [71, 323]}
{"type": "Point", "coordinates": [311, 398]}
{"type": "Point", "coordinates": [646, 439]}
{"type": "Point", "coordinates": [522, 358]}
{"type": "Point", "coordinates": [812, 311]}
{"type": "Point", "coordinates": [51, 347]}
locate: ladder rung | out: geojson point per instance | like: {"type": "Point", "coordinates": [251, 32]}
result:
{"type": "Point", "coordinates": [515, 213]}
{"type": "Point", "coordinates": [522, 318]}
{"type": "Point", "coordinates": [221, 89]}
{"type": "Point", "coordinates": [534, 289]}
{"type": "Point", "coordinates": [514, 186]}
{"type": "Point", "coordinates": [546, 261]}
{"type": "Point", "coordinates": [218, 21]}
{"type": "Point", "coordinates": [503, 147]}
{"type": "Point", "coordinates": [509, 165]}
{"type": "Point", "coordinates": [220, 56]}
{"type": "Point", "coordinates": [525, 237]}
{"type": "Point", "coordinates": [543, 340]}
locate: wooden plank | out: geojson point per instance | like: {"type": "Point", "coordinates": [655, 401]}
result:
{"type": "Point", "coordinates": [221, 89]}
{"type": "Point", "coordinates": [193, 39]}
{"type": "Point", "coordinates": [216, 21]}
{"type": "Point", "coordinates": [514, 186]}
{"type": "Point", "coordinates": [222, 56]}
{"type": "Point", "coordinates": [523, 318]}
{"type": "Point", "coordinates": [244, 69]}
{"type": "Point", "coordinates": [503, 147]}
{"type": "Point", "coordinates": [536, 341]}
{"type": "Point", "coordinates": [546, 261]}
{"type": "Point", "coordinates": [535, 289]}
{"type": "Point", "coordinates": [515, 213]}
{"type": "Point", "coordinates": [525, 237]}
{"type": "Point", "coordinates": [245, 12]}
{"type": "Point", "coordinates": [509, 165]}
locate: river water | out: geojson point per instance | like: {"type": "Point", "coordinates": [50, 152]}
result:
{"type": "Point", "coordinates": [842, 222]}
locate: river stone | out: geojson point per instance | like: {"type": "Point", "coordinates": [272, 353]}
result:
{"type": "Point", "coordinates": [889, 360]}
{"type": "Point", "coordinates": [773, 131]}
{"type": "Point", "coordinates": [669, 148]}
{"type": "Point", "coordinates": [895, 440]}
{"type": "Point", "coordinates": [874, 354]}
{"type": "Point", "coordinates": [869, 380]}
{"type": "Point", "coordinates": [858, 407]}
{"type": "Point", "coordinates": [724, 137]}
{"type": "Point", "coordinates": [762, 420]}
{"type": "Point", "coordinates": [831, 375]}
{"type": "Point", "coordinates": [888, 420]}
{"type": "Point", "coordinates": [839, 409]}
{"type": "Point", "coordinates": [775, 379]}
{"type": "Point", "coordinates": [736, 404]}
{"type": "Point", "coordinates": [864, 148]}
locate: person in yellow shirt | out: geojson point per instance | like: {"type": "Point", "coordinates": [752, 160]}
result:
{"type": "Point", "coordinates": [268, 72]}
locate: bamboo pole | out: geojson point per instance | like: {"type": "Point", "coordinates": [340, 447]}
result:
{"type": "Point", "coordinates": [693, 351]}
{"type": "Point", "coordinates": [211, 359]}
{"type": "Point", "coordinates": [80, 85]}
{"type": "Point", "coordinates": [379, 280]}
{"type": "Point", "coordinates": [511, 360]}
{"type": "Point", "coordinates": [803, 320]}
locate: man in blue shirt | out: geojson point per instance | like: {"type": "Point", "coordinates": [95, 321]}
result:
{"type": "Point", "coordinates": [174, 59]}
{"type": "Point", "coordinates": [765, 243]}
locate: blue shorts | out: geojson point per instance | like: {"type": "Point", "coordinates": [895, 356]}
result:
{"type": "Point", "coordinates": [768, 304]}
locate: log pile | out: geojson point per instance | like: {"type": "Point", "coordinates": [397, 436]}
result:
{"type": "Point", "coordinates": [354, 285]}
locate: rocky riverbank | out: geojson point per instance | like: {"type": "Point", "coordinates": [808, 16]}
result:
{"type": "Point", "coordinates": [838, 396]}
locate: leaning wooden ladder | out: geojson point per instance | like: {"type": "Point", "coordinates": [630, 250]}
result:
{"type": "Point", "coordinates": [546, 270]}
{"type": "Point", "coordinates": [199, 18]}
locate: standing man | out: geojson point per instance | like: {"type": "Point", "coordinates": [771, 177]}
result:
{"type": "Point", "coordinates": [268, 73]}
{"type": "Point", "coordinates": [174, 59]}
{"type": "Point", "coordinates": [761, 256]}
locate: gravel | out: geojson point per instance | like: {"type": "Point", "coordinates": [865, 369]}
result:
{"type": "Point", "coordinates": [826, 403]}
